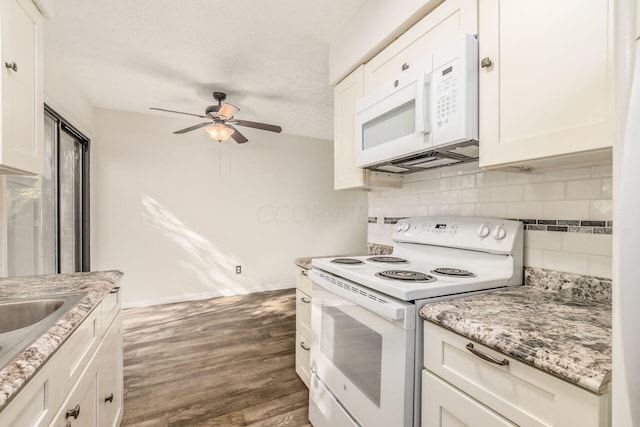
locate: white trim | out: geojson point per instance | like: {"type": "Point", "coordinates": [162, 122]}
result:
{"type": "Point", "coordinates": [206, 295]}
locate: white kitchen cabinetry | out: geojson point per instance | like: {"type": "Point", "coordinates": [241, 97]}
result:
{"type": "Point", "coordinates": [445, 23]}
{"type": "Point", "coordinates": [303, 324]}
{"type": "Point", "coordinates": [21, 79]}
{"type": "Point", "coordinates": [545, 83]}
{"type": "Point", "coordinates": [459, 386]}
{"type": "Point", "coordinates": [75, 386]}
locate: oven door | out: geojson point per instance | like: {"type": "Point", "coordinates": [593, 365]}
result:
{"type": "Point", "coordinates": [363, 359]}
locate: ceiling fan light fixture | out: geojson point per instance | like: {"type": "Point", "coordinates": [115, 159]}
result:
{"type": "Point", "coordinates": [219, 132]}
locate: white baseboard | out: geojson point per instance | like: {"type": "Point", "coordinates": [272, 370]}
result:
{"type": "Point", "coordinates": [205, 295]}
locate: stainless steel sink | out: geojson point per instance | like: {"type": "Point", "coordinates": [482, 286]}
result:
{"type": "Point", "coordinates": [24, 320]}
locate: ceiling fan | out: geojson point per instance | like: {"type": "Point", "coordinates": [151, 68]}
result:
{"type": "Point", "coordinates": [221, 125]}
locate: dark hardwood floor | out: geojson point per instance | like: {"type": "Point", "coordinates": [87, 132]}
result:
{"type": "Point", "coordinates": [221, 362]}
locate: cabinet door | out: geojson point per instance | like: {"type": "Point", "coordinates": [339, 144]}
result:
{"type": "Point", "coordinates": [439, 27]}
{"type": "Point", "coordinates": [548, 89]}
{"type": "Point", "coordinates": [22, 91]}
{"type": "Point", "coordinates": [346, 93]}
{"type": "Point", "coordinates": [444, 405]}
{"type": "Point", "coordinates": [110, 376]}
{"type": "Point", "coordinates": [80, 407]}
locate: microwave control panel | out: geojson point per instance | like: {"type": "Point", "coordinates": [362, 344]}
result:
{"type": "Point", "coordinates": [446, 95]}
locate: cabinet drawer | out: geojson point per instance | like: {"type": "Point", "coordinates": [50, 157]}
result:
{"type": "Point", "coordinates": [303, 282]}
{"type": "Point", "coordinates": [303, 314]}
{"type": "Point", "coordinates": [83, 400]}
{"type": "Point", "coordinates": [444, 405]}
{"type": "Point", "coordinates": [303, 358]}
{"type": "Point", "coordinates": [519, 392]}
{"type": "Point", "coordinates": [109, 309]}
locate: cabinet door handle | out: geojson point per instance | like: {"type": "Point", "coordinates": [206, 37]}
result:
{"type": "Point", "coordinates": [486, 62]}
{"type": "Point", "coordinates": [75, 412]}
{"type": "Point", "coordinates": [304, 272]}
{"type": "Point", "coordinates": [11, 65]}
{"type": "Point", "coordinates": [109, 398]}
{"type": "Point", "coordinates": [114, 290]}
{"type": "Point", "coordinates": [305, 300]}
{"type": "Point", "coordinates": [481, 355]}
{"type": "Point", "coordinates": [405, 66]}
{"type": "Point", "coordinates": [304, 346]}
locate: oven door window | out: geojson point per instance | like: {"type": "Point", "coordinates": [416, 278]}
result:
{"type": "Point", "coordinates": [392, 125]}
{"type": "Point", "coordinates": [355, 349]}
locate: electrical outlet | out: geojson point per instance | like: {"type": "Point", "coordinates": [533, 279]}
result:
{"type": "Point", "coordinates": [238, 269]}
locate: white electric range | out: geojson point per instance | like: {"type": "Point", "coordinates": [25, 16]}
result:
{"type": "Point", "coordinates": [366, 338]}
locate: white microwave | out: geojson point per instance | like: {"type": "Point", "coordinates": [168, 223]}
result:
{"type": "Point", "coordinates": [426, 117]}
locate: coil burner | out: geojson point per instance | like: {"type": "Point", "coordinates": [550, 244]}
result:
{"type": "Point", "coordinates": [452, 272]}
{"type": "Point", "coordinates": [347, 261]}
{"type": "Point", "coordinates": [387, 259]}
{"type": "Point", "coordinates": [406, 275]}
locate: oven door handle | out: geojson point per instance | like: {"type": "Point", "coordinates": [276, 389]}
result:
{"type": "Point", "coordinates": [364, 297]}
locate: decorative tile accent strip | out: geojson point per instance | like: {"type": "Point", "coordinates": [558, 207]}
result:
{"type": "Point", "coordinates": [393, 219]}
{"type": "Point", "coordinates": [567, 225]}
{"type": "Point", "coordinates": [372, 220]}
{"type": "Point", "coordinates": [575, 285]}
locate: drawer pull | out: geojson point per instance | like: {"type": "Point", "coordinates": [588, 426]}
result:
{"type": "Point", "coordinates": [481, 355]}
{"type": "Point", "coordinates": [12, 66]}
{"type": "Point", "coordinates": [115, 290]}
{"type": "Point", "coordinates": [486, 62]}
{"type": "Point", "coordinates": [109, 398]}
{"type": "Point", "coordinates": [305, 300]}
{"type": "Point", "coordinates": [304, 273]}
{"type": "Point", "coordinates": [75, 412]}
{"type": "Point", "coordinates": [304, 346]}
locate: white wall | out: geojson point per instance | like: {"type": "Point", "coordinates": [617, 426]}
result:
{"type": "Point", "coordinates": [580, 194]}
{"type": "Point", "coordinates": [177, 213]}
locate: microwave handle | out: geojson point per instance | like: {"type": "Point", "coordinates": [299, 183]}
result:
{"type": "Point", "coordinates": [423, 102]}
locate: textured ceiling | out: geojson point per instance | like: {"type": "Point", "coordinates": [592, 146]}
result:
{"type": "Point", "coordinates": [270, 57]}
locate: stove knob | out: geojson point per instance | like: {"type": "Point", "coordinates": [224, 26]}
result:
{"type": "Point", "coordinates": [405, 226]}
{"type": "Point", "coordinates": [499, 233]}
{"type": "Point", "coordinates": [484, 230]}
{"type": "Point", "coordinates": [399, 227]}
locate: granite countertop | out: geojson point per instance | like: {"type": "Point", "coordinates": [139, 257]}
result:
{"type": "Point", "coordinates": [17, 373]}
{"type": "Point", "coordinates": [372, 249]}
{"type": "Point", "coordinates": [557, 324]}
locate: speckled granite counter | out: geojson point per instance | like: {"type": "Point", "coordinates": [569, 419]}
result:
{"type": "Point", "coordinates": [372, 249]}
{"type": "Point", "coordinates": [14, 375]}
{"type": "Point", "coordinates": [558, 322]}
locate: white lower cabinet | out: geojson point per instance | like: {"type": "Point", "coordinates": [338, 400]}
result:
{"type": "Point", "coordinates": [460, 388]}
{"type": "Point", "coordinates": [81, 384]}
{"type": "Point", "coordinates": [303, 325]}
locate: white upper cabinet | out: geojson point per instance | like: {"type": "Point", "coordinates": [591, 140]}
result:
{"type": "Point", "coordinates": [21, 79]}
{"type": "Point", "coordinates": [545, 82]}
{"type": "Point", "coordinates": [444, 24]}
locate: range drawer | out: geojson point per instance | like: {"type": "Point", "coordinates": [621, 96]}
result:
{"type": "Point", "coordinates": [519, 392]}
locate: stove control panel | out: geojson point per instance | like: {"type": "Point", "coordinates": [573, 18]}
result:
{"type": "Point", "coordinates": [474, 233]}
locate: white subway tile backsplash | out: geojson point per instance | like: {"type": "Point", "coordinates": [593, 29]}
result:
{"type": "Point", "coordinates": [601, 210]}
{"type": "Point", "coordinates": [533, 257]}
{"type": "Point", "coordinates": [584, 189]}
{"type": "Point", "coordinates": [586, 243]}
{"type": "Point", "coordinates": [544, 191]}
{"type": "Point", "coordinates": [507, 193]}
{"type": "Point", "coordinates": [567, 174]}
{"type": "Point", "coordinates": [475, 195]}
{"type": "Point", "coordinates": [524, 178]}
{"type": "Point", "coordinates": [451, 197]}
{"type": "Point", "coordinates": [468, 209]}
{"type": "Point", "coordinates": [441, 184]}
{"type": "Point", "coordinates": [600, 266]}
{"type": "Point", "coordinates": [578, 209]}
{"type": "Point", "coordinates": [463, 181]}
{"type": "Point", "coordinates": [602, 171]}
{"type": "Point", "coordinates": [490, 179]}
{"type": "Point", "coordinates": [452, 170]}
{"type": "Point", "coordinates": [498, 210]}
{"type": "Point", "coordinates": [607, 188]}
{"type": "Point", "coordinates": [543, 240]}
{"type": "Point", "coordinates": [565, 261]}
{"type": "Point", "coordinates": [524, 210]}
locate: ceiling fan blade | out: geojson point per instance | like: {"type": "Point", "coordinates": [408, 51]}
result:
{"type": "Point", "coordinates": [227, 111]}
{"type": "Point", "coordinates": [237, 136]}
{"type": "Point", "coordinates": [256, 125]}
{"type": "Point", "coordinates": [194, 127]}
{"type": "Point", "coordinates": [178, 112]}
